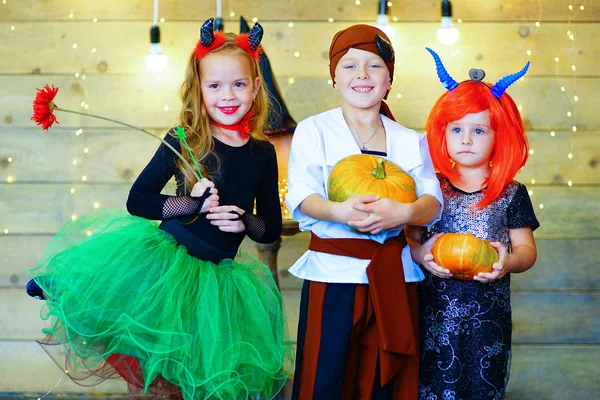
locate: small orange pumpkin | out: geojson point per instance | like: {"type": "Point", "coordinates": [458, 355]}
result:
{"type": "Point", "coordinates": [464, 254]}
{"type": "Point", "coordinates": [362, 174]}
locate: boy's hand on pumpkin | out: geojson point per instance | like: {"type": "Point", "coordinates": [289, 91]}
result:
{"type": "Point", "coordinates": [428, 262]}
{"type": "Point", "coordinates": [384, 214]}
{"type": "Point", "coordinates": [500, 267]}
{"type": "Point", "coordinates": [346, 211]}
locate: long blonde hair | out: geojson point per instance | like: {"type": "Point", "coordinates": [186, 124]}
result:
{"type": "Point", "coordinates": [195, 119]}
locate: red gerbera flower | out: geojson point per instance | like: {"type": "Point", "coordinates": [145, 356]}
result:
{"type": "Point", "coordinates": [43, 107]}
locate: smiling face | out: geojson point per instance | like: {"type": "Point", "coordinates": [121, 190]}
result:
{"type": "Point", "coordinates": [228, 89]}
{"type": "Point", "coordinates": [470, 140]}
{"type": "Point", "coordinates": [362, 79]}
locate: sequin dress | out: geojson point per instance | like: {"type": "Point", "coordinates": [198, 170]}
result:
{"type": "Point", "coordinates": [465, 326]}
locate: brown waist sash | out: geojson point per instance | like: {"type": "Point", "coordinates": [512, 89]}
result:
{"type": "Point", "coordinates": [388, 293]}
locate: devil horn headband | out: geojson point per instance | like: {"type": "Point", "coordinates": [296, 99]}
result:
{"type": "Point", "coordinates": [476, 75]}
{"type": "Point", "coordinates": [210, 40]}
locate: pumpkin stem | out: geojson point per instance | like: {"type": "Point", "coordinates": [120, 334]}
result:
{"type": "Point", "coordinates": [379, 171]}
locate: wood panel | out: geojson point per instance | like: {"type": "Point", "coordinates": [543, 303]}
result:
{"type": "Point", "coordinates": [495, 47]}
{"type": "Point", "coordinates": [43, 208]}
{"type": "Point", "coordinates": [541, 318]}
{"type": "Point", "coordinates": [545, 107]}
{"type": "Point", "coordinates": [537, 372]}
{"type": "Point", "coordinates": [554, 373]}
{"type": "Point", "coordinates": [562, 265]}
{"type": "Point", "coordinates": [119, 155]}
{"type": "Point", "coordinates": [553, 318]}
{"type": "Point", "coordinates": [410, 10]}
{"type": "Point", "coordinates": [26, 368]}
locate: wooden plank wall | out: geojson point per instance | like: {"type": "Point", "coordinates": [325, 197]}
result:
{"type": "Point", "coordinates": [556, 317]}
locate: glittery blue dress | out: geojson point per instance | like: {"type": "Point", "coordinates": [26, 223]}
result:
{"type": "Point", "coordinates": [465, 326]}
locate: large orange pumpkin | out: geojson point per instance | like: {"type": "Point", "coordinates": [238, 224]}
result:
{"type": "Point", "coordinates": [464, 255]}
{"type": "Point", "coordinates": [362, 174]}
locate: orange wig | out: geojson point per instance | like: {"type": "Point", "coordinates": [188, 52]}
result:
{"type": "Point", "coordinates": [511, 148]}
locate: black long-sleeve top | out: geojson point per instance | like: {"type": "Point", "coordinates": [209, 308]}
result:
{"type": "Point", "coordinates": [241, 174]}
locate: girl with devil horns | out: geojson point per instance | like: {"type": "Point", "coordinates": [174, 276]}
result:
{"type": "Point", "coordinates": [478, 145]}
{"type": "Point", "coordinates": [169, 307]}
{"type": "Point", "coordinates": [357, 333]}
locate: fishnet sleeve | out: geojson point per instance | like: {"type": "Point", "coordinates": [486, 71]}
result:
{"type": "Point", "coordinates": [178, 206]}
{"type": "Point", "coordinates": [256, 227]}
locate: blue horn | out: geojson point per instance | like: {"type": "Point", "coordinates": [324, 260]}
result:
{"type": "Point", "coordinates": [503, 84]}
{"type": "Point", "coordinates": [443, 75]}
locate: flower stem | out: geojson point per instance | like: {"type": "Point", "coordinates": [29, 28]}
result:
{"type": "Point", "coordinates": [178, 154]}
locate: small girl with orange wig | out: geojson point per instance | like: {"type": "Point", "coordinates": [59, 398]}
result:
{"type": "Point", "coordinates": [477, 144]}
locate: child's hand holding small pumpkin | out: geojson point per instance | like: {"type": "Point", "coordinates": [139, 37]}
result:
{"type": "Point", "coordinates": [500, 267]}
{"type": "Point", "coordinates": [425, 258]}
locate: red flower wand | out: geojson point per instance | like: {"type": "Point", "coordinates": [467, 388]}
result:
{"type": "Point", "coordinates": [43, 115]}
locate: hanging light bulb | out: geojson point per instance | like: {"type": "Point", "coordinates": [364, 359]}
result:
{"type": "Point", "coordinates": [219, 20]}
{"type": "Point", "coordinates": [156, 61]}
{"type": "Point", "coordinates": [447, 34]}
{"type": "Point", "coordinates": [383, 21]}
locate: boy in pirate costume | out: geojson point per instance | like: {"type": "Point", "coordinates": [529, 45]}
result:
{"type": "Point", "coordinates": [358, 328]}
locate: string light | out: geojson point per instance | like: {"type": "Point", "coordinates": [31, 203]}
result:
{"type": "Point", "coordinates": [94, 50]}
{"type": "Point", "coordinates": [74, 161]}
{"type": "Point", "coordinates": [291, 24]}
{"type": "Point", "coordinates": [562, 89]}
{"type": "Point", "coordinates": [96, 205]}
{"type": "Point", "coordinates": [531, 192]}
{"type": "Point", "coordinates": [541, 206]}
{"type": "Point", "coordinates": [296, 54]}
{"type": "Point", "coordinates": [84, 178]}
{"type": "Point", "coordinates": [552, 133]}
{"type": "Point", "coordinates": [74, 45]}
{"type": "Point", "coordinates": [531, 151]}
{"type": "Point", "coordinates": [71, 16]}
{"type": "Point", "coordinates": [568, 113]}
{"type": "Point", "coordinates": [12, 28]}
{"type": "Point", "coordinates": [86, 150]}
{"type": "Point", "coordinates": [330, 19]}
{"type": "Point", "coordinates": [576, 98]}
{"type": "Point", "coordinates": [73, 217]}
{"type": "Point", "coordinates": [95, 20]}
{"type": "Point", "coordinates": [459, 21]}
{"type": "Point", "coordinates": [291, 81]}
{"type": "Point", "coordinates": [72, 190]}
{"type": "Point", "coordinates": [570, 155]}
{"type": "Point", "coordinates": [329, 82]}
{"type": "Point", "coordinates": [528, 52]}
{"type": "Point", "coordinates": [232, 14]}
{"type": "Point", "coordinates": [9, 159]}
{"type": "Point", "coordinates": [10, 179]}
{"type": "Point", "coordinates": [89, 233]}
{"type": "Point", "coordinates": [556, 59]}
{"type": "Point", "coordinates": [570, 183]}
{"type": "Point", "coordinates": [156, 61]}
{"type": "Point", "coordinates": [570, 7]}
{"type": "Point", "coordinates": [78, 132]}
{"type": "Point", "coordinates": [398, 96]}
{"type": "Point", "coordinates": [574, 128]}
{"type": "Point", "coordinates": [162, 20]}
{"type": "Point", "coordinates": [395, 19]}
{"type": "Point", "coordinates": [166, 108]}
{"type": "Point", "coordinates": [573, 67]}
{"type": "Point", "coordinates": [254, 19]}
{"type": "Point", "coordinates": [537, 23]}
{"type": "Point", "coordinates": [533, 181]}
{"type": "Point", "coordinates": [357, 2]}
{"type": "Point", "coordinates": [581, 7]}
{"type": "Point", "coordinates": [5, 230]}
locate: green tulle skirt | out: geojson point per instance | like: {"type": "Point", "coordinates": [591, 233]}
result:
{"type": "Point", "coordinates": [125, 300]}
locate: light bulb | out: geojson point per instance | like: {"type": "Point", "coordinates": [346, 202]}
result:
{"type": "Point", "coordinates": [383, 24]}
{"type": "Point", "coordinates": [156, 61]}
{"type": "Point", "coordinates": [447, 34]}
